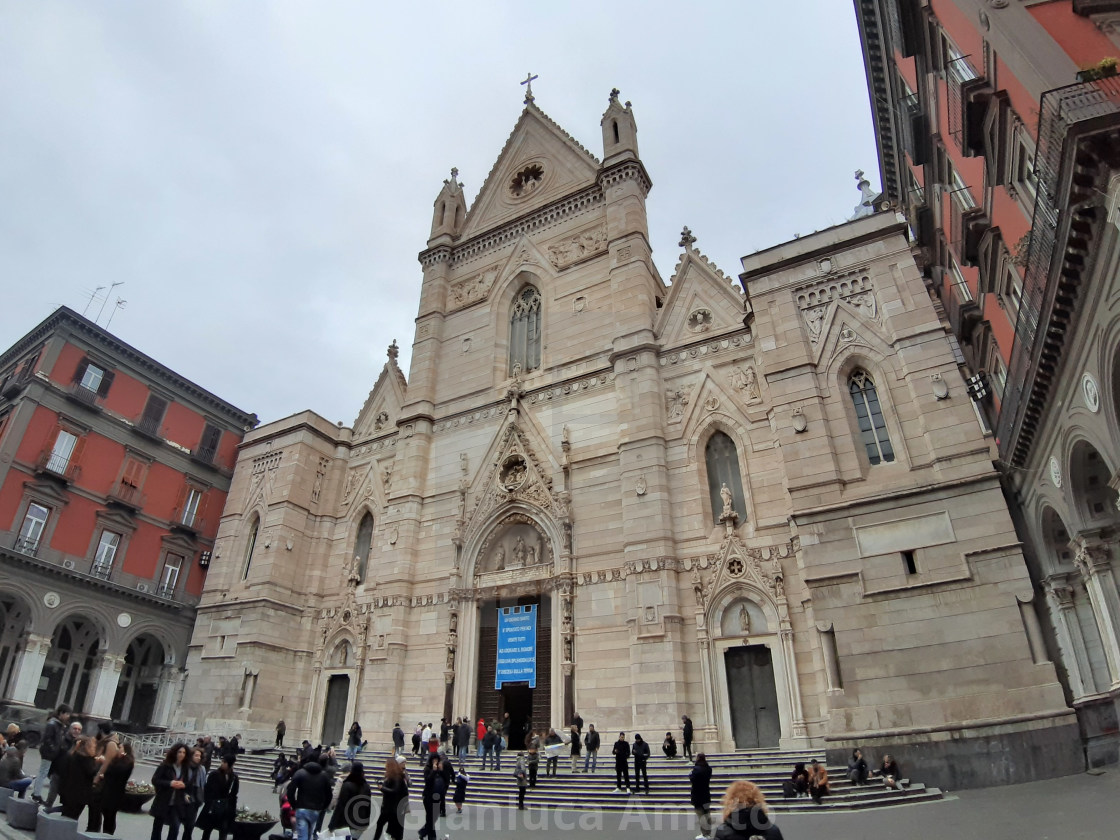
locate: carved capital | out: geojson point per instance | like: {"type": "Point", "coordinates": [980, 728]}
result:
{"type": "Point", "coordinates": [1060, 590]}
{"type": "Point", "coordinates": [1091, 556]}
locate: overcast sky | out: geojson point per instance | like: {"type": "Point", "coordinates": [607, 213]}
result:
{"type": "Point", "coordinates": [260, 175]}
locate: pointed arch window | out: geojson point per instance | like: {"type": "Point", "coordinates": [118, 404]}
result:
{"type": "Point", "coordinates": [250, 547]}
{"type": "Point", "coordinates": [362, 544]}
{"type": "Point", "coordinates": [869, 415]}
{"type": "Point", "coordinates": [722, 460]}
{"type": "Point", "coordinates": [525, 331]}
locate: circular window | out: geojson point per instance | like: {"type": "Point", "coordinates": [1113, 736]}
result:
{"type": "Point", "coordinates": [527, 180]}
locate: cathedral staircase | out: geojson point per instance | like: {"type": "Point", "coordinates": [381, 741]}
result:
{"type": "Point", "coordinates": [668, 782]}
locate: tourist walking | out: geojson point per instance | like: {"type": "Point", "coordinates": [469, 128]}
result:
{"type": "Point", "coordinates": [353, 741]}
{"type": "Point", "coordinates": [461, 782]}
{"type": "Point", "coordinates": [11, 769]}
{"type": "Point", "coordinates": [76, 783]}
{"type": "Point", "coordinates": [533, 759]}
{"type": "Point", "coordinates": [115, 776]}
{"type": "Point", "coordinates": [641, 759]}
{"type": "Point", "coordinates": [521, 773]}
{"type": "Point", "coordinates": [107, 745]}
{"type": "Point", "coordinates": [281, 731]}
{"type": "Point", "coordinates": [353, 806]}
{"type": "Point", "coordinates": [591, 741]}
{"type": "Point", "coordinates": [745, 815]}
{"type": "Point", "coordinates": [573, 735]}
{"type": "Point", "coordinates": [195, 791]}
{"type": "Point", "coordinates": [167, 806]}
{"type": "Point", "coordinates": [310, 794]}
{"type": "Point", "coordinates": [480, 735]}
{"type": "Point", "coordinates": [621, 752]}
{"type": "Point", "coordinates": [669, 745]}
{"type": "Point", "coordinates": [489, 742]}
{"type": "Point", "coordinates": [398, 739]}
{"type": "Point", "coordinates": [50, 747]}
{"type": "Point", "coordinates": [435, 786]}
{"type": "Point", "coordinates": [700, 795]}
{"type": "Point", "coordinates": [220, 808]}
{"type": "Point", "coordinates": [416, 738]}
{"type": "Point", "coordinates": [686, 736]}
{"type": "Point", "coordinates": [394, 800]}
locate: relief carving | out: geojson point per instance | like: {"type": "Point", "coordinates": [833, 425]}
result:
{"type": "Point", "coordinates": [577, 247]}
{"type": "Point", "coordinates": [744, 379]}
{"type": "Point", "coordinates": [473, 289]}
{"type": "Point", "coordinates": [676, 401]}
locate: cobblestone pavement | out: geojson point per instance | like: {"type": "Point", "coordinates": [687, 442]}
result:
{"type": "Point", "coordinates": [1074, 807]}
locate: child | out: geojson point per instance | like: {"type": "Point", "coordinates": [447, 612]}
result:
{"type": "Point", "coordinates": [460, 796]}
{"type": "Point", "coordinates": [287, 816]}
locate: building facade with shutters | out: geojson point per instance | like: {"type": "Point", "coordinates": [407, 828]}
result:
{"type": "Point", "coordinates": [113, 472]}
{"type": "Point", "coordinates": [998, 128]}
{"type": "Point", "coordinates": [769, 506]}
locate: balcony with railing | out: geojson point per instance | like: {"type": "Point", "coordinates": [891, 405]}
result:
{"type": "Point", "coordinates": [166, 592]}
{"type": "Point", "coordinates": [186, 520]}
{"type": "Point", "coordinates": [914, 129]}
{"type": "Point", "coordinates": [59, 466]}
{"type": "Point", "coordinates": [1078, 144]}
{"type": "Point", "coordinates": [79, 393]}
{"type": "Point", "coordinates": [27, 545]}
{"type": "Point", "coordinates": [967, 226]}
{"type": "Point", "coordinates": [126, 495]}
{"type": "Point", "coordinates": [101, 571]}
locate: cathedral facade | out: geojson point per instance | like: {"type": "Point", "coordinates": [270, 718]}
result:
{"type": "Point", "coordinates": [767, 505]}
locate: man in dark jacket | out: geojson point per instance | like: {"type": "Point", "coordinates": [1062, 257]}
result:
{"type": "Point", "coordinates": [592, 741]}
{"type": "Point", "coordinates": [464, 739]}
{"type": "Point", "coordinates": [641, 758]}
{"type": "Point", "coordinates": [621, 752]}
{"type": "Point", "coordinates": [489, 742]}
{"type": "Point", "coordinates": [50, 748]}
{"type": "Point", "coordinates": [686, 736]}
{"type": "Point", "coordinates": [435, 786]}
{"type": "Point", "coordinates": [398, 739]}
{"type": "Point", "coordinates": [310, 794]}
{"type": "Point", "coordinates": [577, 721]}
{"type": "Point", "coordinates": [700, 794]}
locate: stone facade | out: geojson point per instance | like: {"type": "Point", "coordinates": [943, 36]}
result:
{"type": "Point", "coordinates": [677, 472]}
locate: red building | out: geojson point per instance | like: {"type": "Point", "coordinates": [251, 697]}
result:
{"type": "Point", "coordinates": [998, 129]}
{"type": "Point", "coordinates": [113, 474]}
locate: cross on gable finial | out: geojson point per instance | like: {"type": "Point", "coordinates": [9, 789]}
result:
{"type": "Point", "coordinates": [686, 238]}
{"type": "Point", "coordinates": [529, 87]}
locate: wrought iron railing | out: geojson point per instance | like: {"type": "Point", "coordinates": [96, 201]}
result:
{"type": "Point", "coordinates": [127, 494]}
{"type": "Point", "coordinates": [80, 393]}
{"type": "Point", "coordinates": [150, 425]}
{"type": "Point", "coordinates": [1060, 110]}
{"type": "Point", "coordinates": [101, 570]}
{"type": "Point", "coordinates": [958, 72]}
{"type": "Point", "coordinates": [912, 135]}
{"type": "Point", "coordinates": [26, 545]}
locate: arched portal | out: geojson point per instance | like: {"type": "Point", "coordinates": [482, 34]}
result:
{"type": "Point", "coordinates": [70, 663]}
{"type": "Point", "coordinates": [745, 641]}
{"type": "Point", "coordinates": [138, 688]}
{"type": "Point", "coordinates": [1089, 476]}
{"type": "Point", "coordinates": [15, 618]}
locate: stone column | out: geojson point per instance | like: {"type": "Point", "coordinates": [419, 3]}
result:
{"type": "Point", "coordinates": [30, 668]}
{"type": "Point", "coordinates": [104, 687]}
{"type": "Point", "coordinates": [798, 728]}
{"type": "Point", "coordinates": [1033, 629]}
{"type": "Point", "coordinates": [1070, 639]}
{"type": "Point", "coordinates": [1095, 565]}
{"type": "Point", "coordinates": [831, 658]}
{"type": "Point", "coordinates": [711, 729]}
{"type": "Point", "coordinates": [170, 679]}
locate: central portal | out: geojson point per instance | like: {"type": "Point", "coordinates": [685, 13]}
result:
{"type": "Point", "coordinates": [528, 708]}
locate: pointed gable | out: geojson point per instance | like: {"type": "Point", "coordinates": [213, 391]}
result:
{"type": "Point", "coordinates": [701, 300]}
{"type": "Point", "coordinates": [385, 400]}
{"type": "Point", "coordinates": [539, 163]}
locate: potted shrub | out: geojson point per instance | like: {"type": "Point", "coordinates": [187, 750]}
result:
{"type": "Point", "coordinates": [252, 825]}
{"type": "Point", "coordinates": [135, 795]}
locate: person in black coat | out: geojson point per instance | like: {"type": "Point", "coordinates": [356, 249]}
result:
{"type": "Point", "coordinates": [113, 783]}
{"type": "Point", "coordinates": [621, 752]}
{"type": "Point", "coordinates": [591, 741]}
{"type": "Point", "coordinates": [745, 816]}
{"type": "Point", "coordinates": [353, 807]}
{"type": "Point", "coordinates": [76, 784]}
{"type": "Point", "coordinates": [310, 794]}
{"type": "Point", "coordinates": [220, 808]}
{"type": "Point", "coordinates": [669, 745]}
{"type": "Point", "coordinates": [398, 739]}
{"type": "Point", "coordinates": [195, 791]}
{"type": "Point", "coordinates": [435, 786]}
{"type": "Point", "coordinates": [892, 776]}
{"type": "Point", "coordinates": [798, 782]}
{"type": "Point", "coordinates": [394, 796]}
{"type": "Point", "coordinates": [447, 767]}
{"type": "Point", "coordinates": [857, 768]}
{"type": "Point", "coordinates": [641, 759]}
{"type": "Point", "coordinates": [167, 806]}
{"type": "Point", "coordinates": [686, 736]}
{"type": "Point", "coordinates": [700, 793]}
{"type": "Point", "coordinates": [464, 739]}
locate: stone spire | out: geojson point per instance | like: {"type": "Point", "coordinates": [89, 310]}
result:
{"type": "Point", "coordinates": [620, 132]}
{"type": "Point", "coordinates": [450, 208]}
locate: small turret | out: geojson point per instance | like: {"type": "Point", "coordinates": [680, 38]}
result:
{"type": "Point", "coordinates": [450, 209]}
{"type": "Point", "coordinates": [620, 132]}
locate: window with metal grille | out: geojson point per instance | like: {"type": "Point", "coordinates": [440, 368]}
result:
{"type": "Point", "coordinates": [106, 554]}
{"type": "Point", "coordinates": [869, 414]}
{"type": "Point", "coordinates": [525, 331]}
{"type": "Point", "coordinates": [34, 522]}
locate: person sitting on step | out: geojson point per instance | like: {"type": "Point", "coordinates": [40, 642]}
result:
{"type": "Point", "coordinates": [857, 768]}
{"type": "Point", "coordinates": [798, 782]}
{"type": "Point", "coordinates": [888, 769]}
{"type": "Point", "coordinates": [818, 781]}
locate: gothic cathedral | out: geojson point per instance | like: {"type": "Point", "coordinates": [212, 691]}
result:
{"type": "Point", "coordinates": [766, 504]}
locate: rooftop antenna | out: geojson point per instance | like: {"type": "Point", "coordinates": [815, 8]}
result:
{"type": "Point", "coordinates": [92, 295]}
{"type": "Point", "coordinates": [102, 309]}
{"type": "Point", "coordinates": [120, 304]}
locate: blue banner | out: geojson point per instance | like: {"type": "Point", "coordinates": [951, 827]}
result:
{"type": "Point", "coordinates": [517, 646]}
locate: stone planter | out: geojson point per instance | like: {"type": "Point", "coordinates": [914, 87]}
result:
{"type": "Point", "coordinates": [132, 802]}
{"type": "Point", "coordinates": [251, 830]}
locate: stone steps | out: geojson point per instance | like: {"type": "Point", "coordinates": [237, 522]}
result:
{"type": "Point", "coordinates": [669, 784]}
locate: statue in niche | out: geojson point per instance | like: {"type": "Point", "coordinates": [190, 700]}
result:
{"type": "Point", "coordinates": [532, 561]}
{"type": "Point", "coordinates": [746, 381]}
{"type": "Point", "coordinates": [499, 561]}
{"type": "Point", "coordinates": [349, 489]}
{"type": "Point", "coordinates": [744, 619]}
{"type": "Point", "coordinates": [454, 622]}
{"type": "Point", "coordinates": [387, 477]}
{"type": "Point", "coordinates": [568, 650]}
{"type": "Point", "coordinates": [451, 659]}
{"type": "Point", "coordinates": [728, 502]}
{"type": "Point", "coordinates": [520, 552]}
{"type": "Point", "coordinates": [514, 475]}
{"type": "Point", "coordinates": [380, 421]}
{"type": "Point", "coordinates": [815, 321]}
